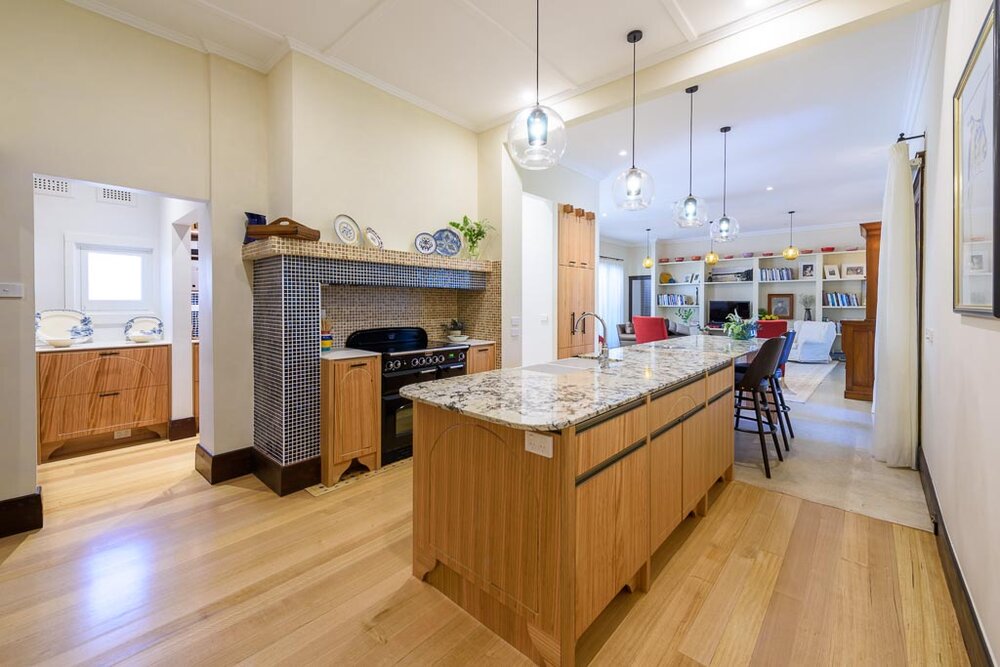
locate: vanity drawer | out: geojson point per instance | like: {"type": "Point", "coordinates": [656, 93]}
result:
{"type": "Point", "coordinates": [67, 417]}
{"type": "Point", "coordinates": [101, 371]}
{"type": "Point", "coordinates": [600, 441]}
{"type": "Point", "coordinates": [719, 381]}
{"type": "Point", "coordinates": [668, 407]}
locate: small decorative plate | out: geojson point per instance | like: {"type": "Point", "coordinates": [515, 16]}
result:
{"type": "Point", "coordinates": [64, 323]}
{"type": "Point", "coordinates": [373, 237]}
{"type": "Point", "coordinates": [449, 243]}
{"type": "Point", "coordinates": [347, 230]}
{"type": "Point", "coordinates": [425, 244]}
{"type": "Point", "coordinates": [144, 328]}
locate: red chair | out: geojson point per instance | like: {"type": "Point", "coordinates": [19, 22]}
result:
{"type": "Point", "coordinates": [649, 329]}
{"type": "Point", "coordinates": [771, 328]}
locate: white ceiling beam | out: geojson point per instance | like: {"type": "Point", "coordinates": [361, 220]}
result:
{"type": "Point", "coordinates": [680, 19]}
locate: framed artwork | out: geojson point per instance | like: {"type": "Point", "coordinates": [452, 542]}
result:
{"type": "Point", "coordinates": [807, 269]}
{"type": "Point", "coordinates": [781, 305]}
{"type": "Point", "coordinates": [831, 272]}
{"type": "Point", "coordinates": [976, 231]}
{"type": "Point", "coordinates": [853, 270]}
{"type": "Point", "coordinates": [687, 277]}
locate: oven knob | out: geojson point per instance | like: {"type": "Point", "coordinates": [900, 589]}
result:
{"type": "Point", "coordinates": [438, 359]}
{"type": "Point", "coordinates": [461, 356]}
{"type": "Point", "coordinates": [396, 364]}
{"type": "Point", "coordinates": [416, 361]}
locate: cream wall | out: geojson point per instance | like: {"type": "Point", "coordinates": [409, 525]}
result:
{"type": "Point", "coordinates": [840, 236]}
{"type": "Point", "coordinates": [135, 115]}
{"type": "Point", "coordinates": [561, 185]}
{"type": "Point", "coordinates": [381, 160]}
{"type": "Point", "coordinates": [961, 360]}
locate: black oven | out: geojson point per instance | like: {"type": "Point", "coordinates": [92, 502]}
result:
{"type": "Point", "coordinates": [397, 412]}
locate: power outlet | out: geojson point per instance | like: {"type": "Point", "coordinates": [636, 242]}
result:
{"type": "Point", "coordinates": [538, 443]}
{"type": "Point", "coordinates": [124, 433]}
{"type": "Point", "coordinates": [929, 335]}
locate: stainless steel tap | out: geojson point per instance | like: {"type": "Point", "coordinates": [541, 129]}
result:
{"type": "Point", "coordinates": [603, 356]}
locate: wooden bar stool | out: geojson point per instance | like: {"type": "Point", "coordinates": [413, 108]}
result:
{"type": "Point", "coordinates": [756, 381]}
{"type": "Point", "coordinates": [777, 394]}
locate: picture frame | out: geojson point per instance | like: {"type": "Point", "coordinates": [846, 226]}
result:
{"type": "Point", "coordinates": [687, 277]}
{"type": "Point", "coordinates": [807, 269]}
{"type": "Point", "coordinates": [781, 305]}
{"type": "Point", "coordinates": [975, 164]}
{"type": "Point", "coordinates": [853, 270]}
{"type": "Point", "coordinates": [831, 272]}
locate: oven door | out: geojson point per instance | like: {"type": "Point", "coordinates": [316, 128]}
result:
{"type": "Point", "coordinates": [397, 413]}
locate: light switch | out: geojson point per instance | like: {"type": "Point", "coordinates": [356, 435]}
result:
{"type": "Point", "coordinates": [515, 321]}
{"type": "Point", "coordinates": [929, 335]}
{"type": "Point", "coordinates": [11, 290]}
{"type": "Point", "coordinates": [544, 318]}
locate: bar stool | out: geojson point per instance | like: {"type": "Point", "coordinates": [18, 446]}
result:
{"type": "Point", "coordinates": [777, 394]}
{"type": "Point", "coordinates": [756, 380]}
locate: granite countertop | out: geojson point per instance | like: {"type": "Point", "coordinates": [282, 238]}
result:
{"type": "Point", "coordinates": [97, 345]}
{"type": "Point", "coordinates": [718, 344]}
{"type": "Point", "coordinates": [341, 353]}
{"type": "Point", "coordinates": [551, 397]}
{"type": "Point", "coordinates": [473, 342]}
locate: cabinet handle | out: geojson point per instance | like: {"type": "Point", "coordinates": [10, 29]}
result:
{"type": "Point", "coordinates": [107, 394]}
{"type": "Point", "coordinates": [585, 327]}
{"type": "Point", "coordinates": [572, 324]}
{"type": "Point", "coordinates": [108, 354]}
{"type": "Point", "coordinates": [361, 365]}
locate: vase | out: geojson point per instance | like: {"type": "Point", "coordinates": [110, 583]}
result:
{"type": "Point", "coordinates": [473, 251]}
{"type": "Point", "coordinates": [809, 315]}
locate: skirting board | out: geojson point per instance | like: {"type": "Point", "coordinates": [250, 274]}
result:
{"type": "Point", "coordinates": [222, 467]}
{"type": "Point", "coordinates": [183, 428]}
{"type": "Point", "coordinates": [286, 479]}
{"type": "Point", "coordinates": [19, 515]}
{"type": "Point", "coordinates": [972, 633]}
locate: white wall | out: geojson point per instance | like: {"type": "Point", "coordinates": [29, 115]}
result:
{"type": "Point", "coordinates": [538, 279]}
{"type": "Point", "coordinates": [961, 363]}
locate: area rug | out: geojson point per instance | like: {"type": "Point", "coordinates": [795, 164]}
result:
{"type": "Point", "coordinates": [801, 380]}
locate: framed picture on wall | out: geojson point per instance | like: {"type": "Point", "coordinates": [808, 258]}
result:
{"type": "Point", "coordinates": [975, 163]}
{"type": "Point", "coordinates": [807, 269]}
{"type": "Point", "coordinates": [853, 270]}
{"type": "Point", "coordinates": [781, 305]}
{"type": "Point", "coordinates": [831, 272]}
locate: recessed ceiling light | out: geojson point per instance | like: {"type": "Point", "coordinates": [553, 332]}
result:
{"type": "Point", "coordinates": [769, 188]}
{"type": "Point", "coordinates": [623, 152]}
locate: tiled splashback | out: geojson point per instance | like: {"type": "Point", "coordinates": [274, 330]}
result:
{"type": "Point", "coordinates": [353, 307]}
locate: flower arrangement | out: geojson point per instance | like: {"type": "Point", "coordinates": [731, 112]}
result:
{"type": "Point", "coordinates": [456, 327]}
{"type": "Point", "coordinates": [474, 232]}
{"type": "Point", "coordinates": [738, 328]}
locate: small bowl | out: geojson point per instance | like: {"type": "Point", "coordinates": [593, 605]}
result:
{"type": "Point", "coordinates": [59, 342]}
{"type": "Point", "coordinates": [458, 339]}
{"type": "Point", "coordinates": [695, 258]}
{"type": "Point", "coordinates": [142, 338]}
{"type": "Point", "coordinates": [767, 254]}
{"type": "Point", "coordinates": [728, 257]}
{"type": "Point", "coordinates": [806, 252]}
{"type": "Point", "coordinates": [678, 259]}
{"type": "Point", "coordinates": [827, 248]}
{"type": "Point", "coordinates": [748, 254]}
{"type": "Point", "coordinates": [856, 248]}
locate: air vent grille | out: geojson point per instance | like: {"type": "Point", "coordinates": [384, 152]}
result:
{"type": "Point", "coordinates": [46, 185]}
{"type": "Point", "coordinates": [115, 196]}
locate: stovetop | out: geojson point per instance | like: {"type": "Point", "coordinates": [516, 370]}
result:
{"type": "Point", "coordinates": [407, 347]}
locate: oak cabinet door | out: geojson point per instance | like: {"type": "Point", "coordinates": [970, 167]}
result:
{"type": "Point", "coordinates": [480, 358]}
{"type": "Point", "coordinates": [356, 399]}
{"type": "Point", "coordinates": [665, 485]}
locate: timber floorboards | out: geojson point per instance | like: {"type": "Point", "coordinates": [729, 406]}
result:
{"type": "Point", "coordinates": [142, 562]}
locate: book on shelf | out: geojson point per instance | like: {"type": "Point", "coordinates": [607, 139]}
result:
{"type": "Point", "coordinates": [841, 299]}
{"type": "Point", "coordinates": [777, 274]}
{"type": "Point", "coordinates": [674, 300]}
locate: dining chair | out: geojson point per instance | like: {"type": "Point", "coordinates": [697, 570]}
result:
{"type": "Point", "coordinates": [755, 381]}
{"type": "Point", "coordinates": [649, 329]}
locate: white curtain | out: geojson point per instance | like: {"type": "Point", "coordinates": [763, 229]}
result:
{"type": "Point", "coordinates": [611, 295]}
{"type": "Point", "coordinates": [895, 404]}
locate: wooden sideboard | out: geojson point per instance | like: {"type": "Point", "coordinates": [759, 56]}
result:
{"type": "Point", "coordinates": [858, 337]}
{"type": "Point", "coordinates": [576, 279]}
{"type": "Point", "coordinates": [89, 393]}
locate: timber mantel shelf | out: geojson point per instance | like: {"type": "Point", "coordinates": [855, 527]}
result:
{"type": "Point", "coordinates": [275, 247]}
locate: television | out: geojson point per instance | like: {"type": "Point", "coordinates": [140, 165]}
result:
{"type": "Point", "coordinates": [718, 310]}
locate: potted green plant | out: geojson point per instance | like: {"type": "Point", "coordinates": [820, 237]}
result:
{"type": "Point", "coordinates": [456, 327]}
{"type": "Point", "coordinates": [474, 232]}
{"type": "Point", "coordinates": [738, 328]}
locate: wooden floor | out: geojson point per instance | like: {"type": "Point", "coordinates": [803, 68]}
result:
{"type": "Point", "coordinates": [141, 561]}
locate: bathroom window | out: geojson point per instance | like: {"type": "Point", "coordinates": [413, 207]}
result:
{"type": "Point", "coordinates": [115, 278]}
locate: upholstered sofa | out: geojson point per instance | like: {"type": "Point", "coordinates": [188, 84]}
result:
{"type": "Point", "coordinates": [813, 341]}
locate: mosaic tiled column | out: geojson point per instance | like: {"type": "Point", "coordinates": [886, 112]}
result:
{"type": "Point", "coordinates": [286, 346]}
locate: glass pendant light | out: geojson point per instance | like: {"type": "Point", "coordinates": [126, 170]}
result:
{"type": "Point", "coordinates": [633, 189]}
{"type": "Point", "coordinates": [648, 262]}
{"type": "Point", "coordinates": [690, 211]}
{"type": "Point", "coordinates": [791, 252]}
{"type": "Point", "coordinates": [536, 137]}
{"type": "Point", "coordinates": [727, 228]}
{"type": "Point", "coordinates": [711, 257]}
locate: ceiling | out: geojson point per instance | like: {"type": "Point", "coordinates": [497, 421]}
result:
{"type": "Point", "coordinates": [814, 124]}
{"type": "Point", "coordinates": [471, 61]}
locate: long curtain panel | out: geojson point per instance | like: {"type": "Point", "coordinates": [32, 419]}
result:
{"type": "Point", "coordinates": [611, 295]}
{"type": "Point", "coordinates": [895, 397]}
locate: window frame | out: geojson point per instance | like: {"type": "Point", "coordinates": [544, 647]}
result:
{"type": "Point", "coordinates": [78, 248]}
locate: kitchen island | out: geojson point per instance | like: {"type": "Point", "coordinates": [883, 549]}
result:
{"type": "Point", "coordinates": [541, 492]}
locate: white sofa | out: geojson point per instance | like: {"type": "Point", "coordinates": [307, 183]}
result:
{"type": "Point", "coordinates": [813, 341]}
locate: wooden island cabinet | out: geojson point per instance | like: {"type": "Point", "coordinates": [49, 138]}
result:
{"type": "Point", "coordinates": [534, 533]}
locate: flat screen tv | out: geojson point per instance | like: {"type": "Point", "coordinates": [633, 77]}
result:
{"type": "Point", "coordinates": [717, 310]}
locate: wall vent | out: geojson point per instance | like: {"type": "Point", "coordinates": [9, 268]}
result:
{"type": "Point", "coordinates": [58, 187]}
{"type": "Point", "coordinates": [115, 196]}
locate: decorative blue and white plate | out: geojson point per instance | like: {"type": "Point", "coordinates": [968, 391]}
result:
{"type": "Point", "coordinates": [63, 323]}
{"type": "Point", "coordinates": [347, 230]}
{"type": "Point", "coordinates": [373, 237]}
{"type": "Point", "coordinates": [425, 244]}
{"type": "Point", "coordinates": [144, 328]}
{"type": "Point", "coordinates": [449, 243]}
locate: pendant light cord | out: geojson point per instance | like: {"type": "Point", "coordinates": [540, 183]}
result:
{"type": "Point", "coordinates": [790, 214]}
{"type": "Point", "coordinates": [691, 148]}
{"type": "Point", "coordinates": [633, 108]}
{"type": "Point", "coordinates": [538, 45]}
{"type": "Point", "coordinates": [725, 157]}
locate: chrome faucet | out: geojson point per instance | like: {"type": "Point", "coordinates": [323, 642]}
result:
{"type": "Point", "coordinates": [603, 356]}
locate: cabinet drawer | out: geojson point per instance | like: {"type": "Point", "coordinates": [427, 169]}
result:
{"type": "Point", "coordinates": [600, 442]}
{"type": "Point", "coordinates": [668, 407]}
{"type": "Point", "coordinates": [66, 417]}
{"type": "Point", "coordinates": [719, 381]}
{"type": "Point", "coordinates": [101, 371]}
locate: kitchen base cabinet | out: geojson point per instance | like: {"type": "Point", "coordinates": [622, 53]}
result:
{"type": "Point", "coordinates": [95, 398]}
{"type": "Point", "coordinates": [350, 396]}
{"type": "Point", "coordinates": [480, 358]}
